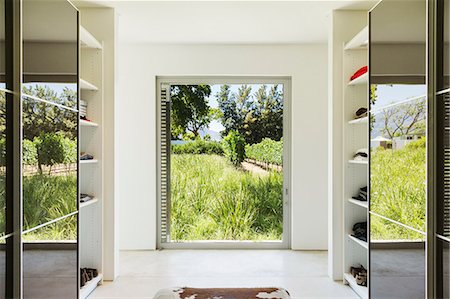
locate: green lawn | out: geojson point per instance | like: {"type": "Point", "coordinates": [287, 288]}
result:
{"type": "Point", "coordinates": [212, 200]}
{"type": "Point", "coordinates": [398, 182]}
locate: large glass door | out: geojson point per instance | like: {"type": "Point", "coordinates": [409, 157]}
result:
{"type": "Point", "coordinates": [223, 163]}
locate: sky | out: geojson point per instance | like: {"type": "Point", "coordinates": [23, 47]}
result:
{"type": "Point", "coordinates": [388, 94]}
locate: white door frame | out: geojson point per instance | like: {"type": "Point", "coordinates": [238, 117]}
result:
{"type": "Point", "coordinates": [287, 130]}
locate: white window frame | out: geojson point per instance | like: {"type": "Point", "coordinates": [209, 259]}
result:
{"type": "Point", "coordinates": [285, 243]}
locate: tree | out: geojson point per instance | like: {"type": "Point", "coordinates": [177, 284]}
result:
{"type": "Point", "coordinates": [255, 116]}
{"type": "Point", "coordinates": [404, 119]}
{"type": "Point", "coordinates": [190, 109]}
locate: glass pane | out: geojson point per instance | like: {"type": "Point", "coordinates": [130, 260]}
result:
{"type": "Point", "coordinates": [397, 261]}
{"type": "Point", "coordinates": [3, 163]}
{"type": "Point", "coordinates": [443, 146]}
{"type": "Point", "coordinates": [225, 164]}
{"type": "Point", "coordinates": [50, 50]}
{"type": "Point", "coordinates": [3, 266]}
{"type": "Point", "coordinates": [49, 162]}
{"type": "Point", "coordinates": [398, 112]}
{"type": "Point", "coordinates": [443, 253]}
{"type": "Point", "coordinates": [2, 45]}
{"type": "Point", "coordinates": [446, 49]}
{"type": "Point", "coordinates": [50, 260]}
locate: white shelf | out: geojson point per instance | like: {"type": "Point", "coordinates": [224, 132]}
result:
{"type": "Point", "coordinates": [360, 41]}
{"type": "Point", "coordinates": [90, 286]}
{"type": "Point", "coordinates": [360, 290]}
{"type": "Point", "coordinates": [358, 162]}
{"type": "Point", "coordinates": [88, 40]}
{"type": "Point", "coordinates": [93, 161]}
{"type": "Point", "coordinates": [362, 120]}
{"type": "Point", "coordinates": [363, 79]}
{"type": "Point", "coordinates": [85, 123]}
{"type": "Point", "coordinates": [360, 203]}
{"type": "Point", "coordinates": [88, 203]}
{"type": "Point", "coordinates": [85, 85]}
{"type": "Point", "coordinates": [359, 242]}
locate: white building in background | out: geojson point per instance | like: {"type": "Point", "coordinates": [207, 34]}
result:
{"type": "Point", "coordinates": [401, 141]}
{"type": "Point", "coordinates": [381, 141]}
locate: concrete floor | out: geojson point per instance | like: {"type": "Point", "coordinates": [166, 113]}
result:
{"type": "Point", "coordinates": [303, 274]}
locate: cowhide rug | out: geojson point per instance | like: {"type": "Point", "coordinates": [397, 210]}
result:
{"type": "Point", "coordinates": [223, 293]}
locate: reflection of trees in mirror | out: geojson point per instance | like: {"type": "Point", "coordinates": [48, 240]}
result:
{"type": "Point", "coordinates": [49, 161]}
{"type": "Point", "coordinates": [404, 119]}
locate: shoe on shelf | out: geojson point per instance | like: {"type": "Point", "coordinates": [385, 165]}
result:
{"type": "Point", "coordinates": [85, 197]}
{"type": "Point", "coordinates": [362, 196]}
{"type": "Point", "coordinates": [361, 279]}
{"type": "Point", "coordinates": [86, 156]}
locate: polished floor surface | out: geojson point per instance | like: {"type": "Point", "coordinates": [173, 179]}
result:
{"type": "Point", "coordinates": [302, 273]}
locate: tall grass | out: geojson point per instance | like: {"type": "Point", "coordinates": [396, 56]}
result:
{"type": "Point", "coordinates": [398, 182]}
{"type": "Point", "coordinates": [45, 198]}
{"type": "Point", "coordinates": [212, 200]}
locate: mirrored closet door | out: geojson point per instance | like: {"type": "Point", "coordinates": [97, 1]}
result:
{"type": "Point", "coordinates": [398, 156]}
{"type": "Point", "coordinates": [39, 183]}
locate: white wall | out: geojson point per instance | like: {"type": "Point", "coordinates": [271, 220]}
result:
{"type": "Point", "coordinates": [138, 66]}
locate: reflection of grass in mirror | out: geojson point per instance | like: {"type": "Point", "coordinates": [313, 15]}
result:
{"type": "Point", "coordinates": [212, 200]}
{"type": "Point", "coordinates": [65, 229]}
{"type": "Point", "coordinates": [47, 197]}
{"type": "Point", "coordinates": [398, 188]}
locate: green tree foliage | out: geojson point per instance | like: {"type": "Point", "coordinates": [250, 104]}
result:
{"type": "Point", "coordinates": [53, 149]}
{"type": "Point", "coordinates": [234, 147]}
{"type": "Point", "coordinates": [40, 117]}
{"type": "Point", "coordinates": [254, 115]}
{"type": "Point", "coordinates": [267, 151]}
{"type": "Point", "coordinates": [190, 110]}
{"type": "Point", "coordinates": [29, 152]}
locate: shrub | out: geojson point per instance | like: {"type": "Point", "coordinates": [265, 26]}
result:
{"type": "Point", "coordinates": [267, 151]}
{"type": "Point", "coordinates": [198, 147]}
{"type": "Point", "coordinates": [50, 149]}
{"type": "Point", "coordinates": [234, 147]}
{"type": "Point", "coordinates": [29, 152]}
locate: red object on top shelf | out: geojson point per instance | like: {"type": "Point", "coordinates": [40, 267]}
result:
{"type": "Point", "coordinates": [359, 73]}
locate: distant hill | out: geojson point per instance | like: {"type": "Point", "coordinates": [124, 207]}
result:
{"type": "Point", "coordinates": [214, 135]}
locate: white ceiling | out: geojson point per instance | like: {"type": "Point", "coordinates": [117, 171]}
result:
{"type": "Point", "coordinates": [231, 22]}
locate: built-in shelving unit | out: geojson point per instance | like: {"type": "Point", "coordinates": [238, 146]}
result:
{"type": "Point", "coordinates": [361, 80]}
{"type": "Point", "coordinates": [356, 136]}
{"type": "Point", "coordinates": [90, 286]}
{"type": "Point", "coordinates": [91, 175]}
{"type": "Point", "coordinates": [361, 162]}
{"type": "Point", "coordinates": [360, 41]}
{"type": "Point", "coordinates": [362, 120]}
{"type": "Point", "coordinates": [87, 123]}
{"type": "Point", "coordinates": [88, 203]}
{"type": "Point", "coordinates": [360, 290]}
{"type": "Point", "coordinates": [86, 85]}
{"type": "Point", "coordinates": [363, 204]}
{"type": "Point", "coordinates": [88, 40]}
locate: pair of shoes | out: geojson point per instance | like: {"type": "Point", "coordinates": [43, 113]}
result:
{"type": "Point", "coordinates": [360, 113]}
{"type": "Point", "coordinates": [360, 231]}
{"type": "Point", "coordinates": [362, 196]}
{"type": "Point", "coordinates": [87, 274]}
{"type": "Point", "coordinates": [85, 156]}
{"type": "Point", "coordinates": [85, 197]}
{"type": "Point", "coordinates": [361, 155]}
{"type": "Point", "coordinates": [360, 275]}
